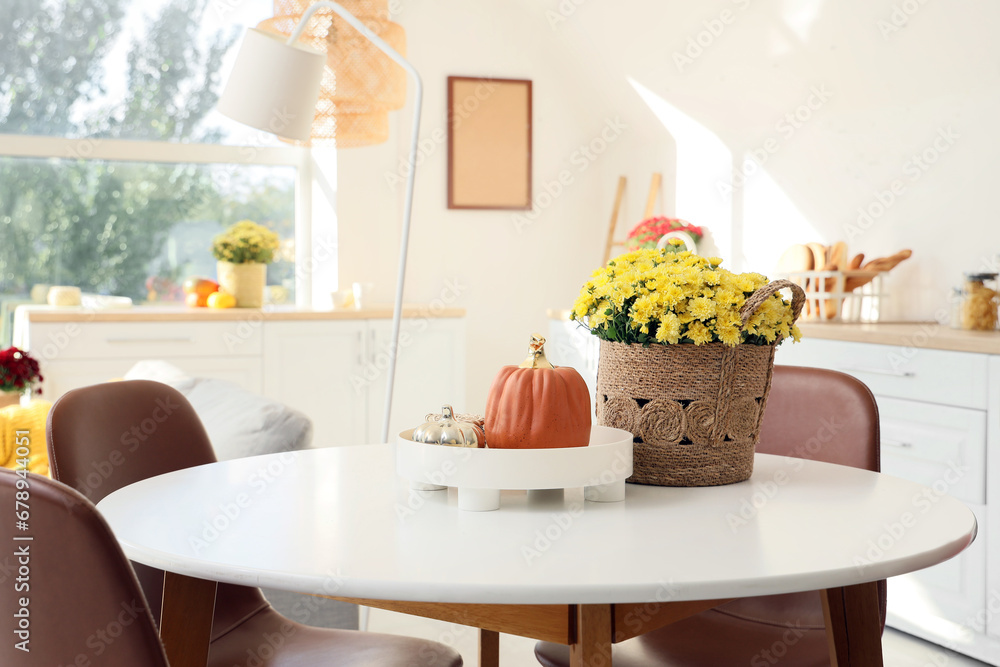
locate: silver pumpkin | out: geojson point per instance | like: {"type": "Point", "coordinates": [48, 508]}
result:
{"type": "Point", "coordinates": [447, 431]}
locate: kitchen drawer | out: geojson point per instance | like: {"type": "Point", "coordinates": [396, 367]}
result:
{"type": "Point", "coordinates": [144, 340]}
{"type": "Point", "coordinates": [939, 446]}
{"type": "Point", "coordinates": [64, 375]}
{"type": "Point", "coordinates": [933, 376]}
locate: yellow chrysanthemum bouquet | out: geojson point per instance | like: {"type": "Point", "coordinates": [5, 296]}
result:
{"type": "Point", "coordinates": [246, 242]}
{"type": "Point", "coordinates": [686, 358]}
{"type": "Point", "coordinates": [653, 296]}
{"type": "Point", "coordinates": [244, 251]}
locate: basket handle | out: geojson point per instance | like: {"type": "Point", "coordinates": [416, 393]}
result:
{"type": "Point", "coordinates": [765, 292]}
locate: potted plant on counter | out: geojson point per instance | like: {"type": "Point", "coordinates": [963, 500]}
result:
{"type": "Point", "coordinates": [243, 252]}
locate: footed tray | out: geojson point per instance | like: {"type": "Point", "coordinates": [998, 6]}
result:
{"type": "Point", "coordinates": [480, 474]}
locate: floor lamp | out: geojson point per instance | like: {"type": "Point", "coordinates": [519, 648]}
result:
{"type": "Point", "coordinates": [274, 86]}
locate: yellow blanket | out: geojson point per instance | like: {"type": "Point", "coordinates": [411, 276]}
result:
{"type": "Point", "coordinates": [30, 422]}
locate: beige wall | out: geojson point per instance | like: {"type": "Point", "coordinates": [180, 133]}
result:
{"type": "Point", "coordinates": [878, 97]}
{"type": "Point", "coordinates": [507, 267]}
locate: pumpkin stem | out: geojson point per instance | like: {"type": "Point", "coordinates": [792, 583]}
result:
{"type": "Point", "coordinates": [536, 354]}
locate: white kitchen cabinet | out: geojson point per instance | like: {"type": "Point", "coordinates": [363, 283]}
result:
{"type": "Point", "coordinates": [330, 366]}
{"type": "Point", "coordinates": [75, 354]}
{"type": "Point", "coordinates": [336, 372]}
{"type": "Point", "coordinates": [938, 416]}
{"type": "Point", "coordinates": [64, 375]}
{"type": "Point", "coordinates": [430, 372]}
{"type": "Point", "coordinates": [316, 367]}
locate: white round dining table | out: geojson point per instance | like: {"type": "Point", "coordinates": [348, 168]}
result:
{"type": "Point", "coordinates": [339, 522]}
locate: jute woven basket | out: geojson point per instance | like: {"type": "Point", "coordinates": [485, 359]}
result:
{"type": "Point", "coordinates": [694, 410]}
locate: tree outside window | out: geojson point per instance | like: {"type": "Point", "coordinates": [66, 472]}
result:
{"type": "Point", "coordinates": [111, 227]}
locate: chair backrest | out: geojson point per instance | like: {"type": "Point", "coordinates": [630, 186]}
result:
{"type": "Point", "coordinates": [107, 436]}
{"type": "Point", "coordinates": [819, 414]}
{"type": "Point", "coordinates": [69, 593]}
{"type": "Point", "coordinates": [822, 415]}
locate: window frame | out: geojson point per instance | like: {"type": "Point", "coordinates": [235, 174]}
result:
{"type": "Point", "coordinates": [164, 152]}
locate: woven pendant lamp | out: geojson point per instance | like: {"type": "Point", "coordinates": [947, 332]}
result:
{"type": "Point", "coordinates": [360, 83]}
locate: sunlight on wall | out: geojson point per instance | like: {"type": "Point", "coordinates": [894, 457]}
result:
{"type": "Point", "coordinates": [701, 157]}
{"type": "Point", "coordinates": [771, 223]}
{"type": "Point", "coordinates": [767, 219]}
{"type": "Point", "coordinates": [800, 15]}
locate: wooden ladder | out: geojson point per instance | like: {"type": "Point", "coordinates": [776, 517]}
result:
{"type": "Point", "coordinates": [654, 191]}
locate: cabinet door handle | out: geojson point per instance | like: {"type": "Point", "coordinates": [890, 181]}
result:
{"type": "Point", "coordinates": [361, 349]}
{"type": "Point", "coordinates": [878, 371]}
{"type": "Point", "coordinates": [179, 339]}
{"type": "Point", "coordinates": [898, 443]}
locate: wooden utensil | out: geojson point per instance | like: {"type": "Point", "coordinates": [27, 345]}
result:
{"type": "Point", "coordinates": [876, 266]}
{"type": "Point", "coordinates": [836, 257]}
{"type": "Point", "coordinates": [854, 282]}
{"type": "Point", "coordinates": [836, 260]}
{"type": "Point", "coordinates": [797, 258]}
{"type": "Point", "coordinates": [887, 263]}
{"type": "Point", "coordinates": [818, 251]}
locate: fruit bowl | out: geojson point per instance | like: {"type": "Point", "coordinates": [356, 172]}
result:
{"type": "Point", "coordinates": [480, 474]}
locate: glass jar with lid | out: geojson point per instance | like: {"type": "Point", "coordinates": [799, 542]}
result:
{"type": "Point", "coordinates": [979, 302]}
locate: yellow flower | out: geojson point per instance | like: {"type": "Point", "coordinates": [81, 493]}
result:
{"type": "Point", "coordinates": [674, 296]}
{"type": "Point", "coordinates": [246, 242]}
{"type": "Point", "coordinates": [730, 335]}
{"type": "Point", "coordinates": [702, 308]}
{"type": "Point", "coordinates": [699, 333]}
{"type": "Point", "coordinates": [669, 330]}
{"type": "Point", "coordinates": [642, 310]}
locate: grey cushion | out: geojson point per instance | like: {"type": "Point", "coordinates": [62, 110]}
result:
{"type": "Point", "coordinates": [239, 423]}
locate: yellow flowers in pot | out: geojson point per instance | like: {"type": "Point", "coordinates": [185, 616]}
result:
{"type": "Point", "coordinates": [651, 296]}
{"type": "Point", "coordinates": [246, 242]}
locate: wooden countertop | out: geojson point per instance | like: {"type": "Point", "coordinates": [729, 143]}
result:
{"type": "Point", "coordinates": [181, 314]}
{"type": "Point", "coordinates": [929, 335]}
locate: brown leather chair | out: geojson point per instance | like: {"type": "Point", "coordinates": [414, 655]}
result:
{"type": "Point", "coordinates": [813, 414]}
{"type": "Point", "coordinates": [69, 588]}
{"type": "Point", "coordinates": [107, 436]}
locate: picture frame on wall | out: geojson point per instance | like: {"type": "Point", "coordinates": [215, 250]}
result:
{"type": "Point", "coordinates": [489, 143]}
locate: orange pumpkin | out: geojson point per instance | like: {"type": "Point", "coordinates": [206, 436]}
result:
{"type": "Point", "coordinates": [538, 405]}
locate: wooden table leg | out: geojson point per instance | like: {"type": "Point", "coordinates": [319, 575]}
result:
{"type": "Point", "coordinates": [592, 647]}
{"type": "Point", "coordinates": [853, 626]}
{"type": "Point", "coordinates": [186, 619]}
{"type": "Point", "coordinates": [489, 648]}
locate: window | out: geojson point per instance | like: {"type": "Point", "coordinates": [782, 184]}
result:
{"type": "Point", "coordinates": [115, 169]}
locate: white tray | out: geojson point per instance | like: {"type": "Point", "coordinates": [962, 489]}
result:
{"type": "Point", "coordinates": [480, 474]}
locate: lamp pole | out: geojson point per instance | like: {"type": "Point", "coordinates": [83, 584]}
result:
{"type": "Point", "coordinates": [418, 89]}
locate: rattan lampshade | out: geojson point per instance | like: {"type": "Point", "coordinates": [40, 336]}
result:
{"type": "Point", "coordinates": [360, 83]}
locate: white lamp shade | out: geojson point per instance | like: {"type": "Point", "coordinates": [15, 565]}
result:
{"type": "Point", "coordinates": [274, 86]}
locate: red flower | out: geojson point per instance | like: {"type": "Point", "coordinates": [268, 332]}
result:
{"type": "Point", "coordinates": [18, 370]}
{"type": "Point", "coordinates": [648, 232]}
